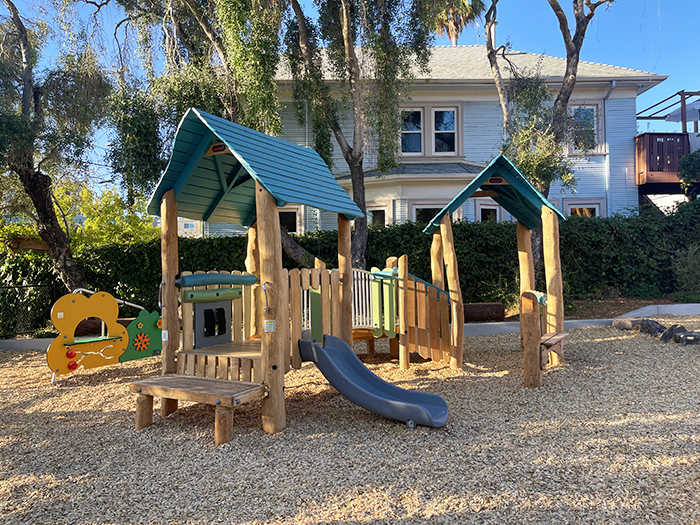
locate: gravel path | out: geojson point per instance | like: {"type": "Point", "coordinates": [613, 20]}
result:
{"type": "Point", "coordinates": [612, 437]}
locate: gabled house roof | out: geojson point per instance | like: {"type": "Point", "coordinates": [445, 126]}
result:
{"type": "Point", "coordinates": [215, 163]}
{"type": "Point", "coordinates": [504, 183]}
{"type": "Point", "coordinates": [469, 65]}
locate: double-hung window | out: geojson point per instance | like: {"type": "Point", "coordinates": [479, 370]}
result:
{"type": "Point", "coordinates": [412, 132]}
{"type": "Point", "coordinates": [444, 131]}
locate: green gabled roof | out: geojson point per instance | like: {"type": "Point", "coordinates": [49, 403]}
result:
{"type": "Point", "coordinates": [215, 163]}
{"type": "Point", "coordinates": [513, 191]}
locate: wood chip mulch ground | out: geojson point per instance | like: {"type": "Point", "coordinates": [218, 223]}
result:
{"type": "Point", "coordinates": [612, 437]}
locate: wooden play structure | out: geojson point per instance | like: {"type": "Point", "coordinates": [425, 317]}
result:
{"type": "Point", "coordinates": [539, 313]}
{"type": "Point", "coordinates": [240, 330]}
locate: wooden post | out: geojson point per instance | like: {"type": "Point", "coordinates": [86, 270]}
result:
{"type": "Point", "coordinates": [404, 356]}
{"type": "Point", "coordinates": [144, 411]}
{"type": "Point", "coordinates": [223, 425]}
{"type": "Point", "coordinates": [276, 316]}
{"type": "Point", "coordinates": [252, 266]}
{"type": "Point", "coordinates": [345, 267]}
{"type": "Point", "coordinates": [530, 326]}
{"type": "Point", "coordinates": [552, 270]}
{"type": "Point", "coordinates": [527, 267]}
{"type": "Point", "coordinates": [437, 267]}
{"type": "Point", "coordinates": [450, 255]}
{"type": "Point", "coordinates": [169, 263]}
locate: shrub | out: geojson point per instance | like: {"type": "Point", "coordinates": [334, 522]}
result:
{"type": "Point", "coordinates": [686, 268]}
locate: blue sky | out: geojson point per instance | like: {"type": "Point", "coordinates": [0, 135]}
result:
{"type": "Point", "coordinates": [657, 36]}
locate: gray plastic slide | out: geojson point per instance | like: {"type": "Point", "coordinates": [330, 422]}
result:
{"type": "Point", "coordinates": [344, 370]}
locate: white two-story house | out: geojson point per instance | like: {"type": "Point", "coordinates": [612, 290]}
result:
{"type": "Point", "coordinates": [453, 126]}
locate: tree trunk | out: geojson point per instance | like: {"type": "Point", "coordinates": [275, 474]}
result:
{"type": "Point", "coordinates": [359, 239]}
{"type": "Point", "coordinates": [38, 188]}
{"type": "Point", "coordinates": [491, 54]}
{"type": "Point", "coordinates": [294, 250]}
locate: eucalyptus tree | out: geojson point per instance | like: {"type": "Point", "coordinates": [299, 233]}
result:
{"type": "Point", "coordinates": [371, 47]}
{"type": "Point", "coordinates": [47, 125]}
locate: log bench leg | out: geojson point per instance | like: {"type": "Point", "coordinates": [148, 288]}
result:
{"type": "Point", "coordinates": [223, 425]}
{"type": "Point", "coordinates": [167, 406]}
{"type": "Point", "coordinates": [144, 411]}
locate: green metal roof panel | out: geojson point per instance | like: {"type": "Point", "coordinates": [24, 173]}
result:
{"type": "Point", "coordinates": [221, 187]}
{"type": "Point", "coordinates": [513, 191]}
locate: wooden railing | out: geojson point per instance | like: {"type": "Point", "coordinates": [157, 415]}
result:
{"type": "Point", "coordinates": [658, 155]}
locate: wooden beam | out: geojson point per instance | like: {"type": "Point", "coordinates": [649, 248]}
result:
{"type": "Point", "coordinates": [169, 314]}
{"type": "Point", "coordinates": [530, 331]}
{"type": "Point", "coordinates": [527, 267]}
{"type": "Point", "coordinates": [437, 263]}
{"type": "Point", "coordinates": [552, 270]}
{"type": "Point", "coordinates": [404, 356]}
{"type": "Point", "coordinates": [252, 266]}
{"type": "Point", "coordinates": [276, 310]}
{"type": "Point", "coordinates": [450, 255]}
{"type": "Point", "coordinates": [345, 267]}
{"type": "Point", "coordinates": [483, 193]}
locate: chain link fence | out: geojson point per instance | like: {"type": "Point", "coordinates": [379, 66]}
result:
{"type": "Point", "coordinates": [24, 309]}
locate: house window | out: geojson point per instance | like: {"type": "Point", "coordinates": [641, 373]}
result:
{"type": "Point", "coordinates": [487, 210]}
{"type": "Point", "coordinates": [444, 131]}
{"type": "Point", "coordinates": [585, 127]}
{"type": "Point", "coordinates": [425, 215]}
{"type": "Point", "coordinates": [412, 131]}
{"type": "Point", "coordinates": [188, 225]}
{"type": "Point", "coordinates": [288, 219]}
{"type": "Point", "coordinates": [584, 208]}
{"type": "Point", "coordinates": [376, 217]}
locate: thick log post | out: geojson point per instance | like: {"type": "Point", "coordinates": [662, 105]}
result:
{"type": "Point", "coordinates": [404, 356]}
{"type": "Point", "coordinates": [345, 267]}
{"type": "Point", "coordinates": [552, 270]}
{"type": "Point", "coordinates": [437, 262]}
{"type": "Point", "coordinates": [252, 266]}
{"type": "Point", "coordinates": [275, 315]}
{"type": "Point", "coordinates": [530, 326]}
{"type": "Point", "coordinates": [527, 267]}
{"type": "Point", "coordinates": [450, 255]}
{"type": "Point", "coordinates": [169, 263]}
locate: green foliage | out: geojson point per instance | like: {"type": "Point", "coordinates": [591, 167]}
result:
{"type": "Point", "coordinates": [251, 33]}
{"type": "Point", "coordinates": [689, 173]}
{"type": "Point", "coordinates": [109, 220]}
{"type": "Point", "coordinates": [137, 156]}
{"type": "Point", "coordinates": [636, 254]}
{"type": "Point", "coordinates": [531, 144]}
{"type": "Point", "coordinates": [686, 269]}
{"type": "Point", "coordinates": [451, 19]}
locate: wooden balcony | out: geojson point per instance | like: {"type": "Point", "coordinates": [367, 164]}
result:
{"type": "Point", "coordinates": [658, 155]}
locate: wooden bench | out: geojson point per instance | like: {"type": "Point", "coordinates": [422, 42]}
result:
{"type": "Point", "coordinates": [221, 393]}
{"type": "Point", "coordinates": [552, 342]}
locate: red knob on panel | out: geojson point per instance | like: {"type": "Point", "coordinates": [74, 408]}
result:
{"type": "Point", "coordinates": [72, 365]}
{"type": "Point", "coordinates": [70, 354]}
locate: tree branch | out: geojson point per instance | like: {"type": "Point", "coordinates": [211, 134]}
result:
{"type": "Point", "coordinates": [491, 54]}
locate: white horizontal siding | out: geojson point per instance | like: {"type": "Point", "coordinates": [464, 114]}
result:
{"type": "Point", "coordinates": [590, 180]}
{"type": "Point", "coordinates": [621, 126]}
{"type": "Point", "coordinates": [483, 130]}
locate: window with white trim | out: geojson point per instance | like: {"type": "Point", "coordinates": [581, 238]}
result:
{"type": "Point", "coordinates": [444, 124]}
{"type": "Point", "coordinates": [376, 217]}
{"type": "Point", "coordinates": [587, 133]}
{"type": "Point", "coordinates": [584, 207]}
{"type": "Point", "coordinates": [486, 210]}
{"type": "Point", "coordinates": [412, 132]}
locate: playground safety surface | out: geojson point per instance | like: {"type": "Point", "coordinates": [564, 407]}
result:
{"type": "Point", "coordinates": [612, 437]}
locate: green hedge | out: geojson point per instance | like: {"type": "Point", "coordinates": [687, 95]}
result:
{"type": "Point", "coordinates": [634, 254]}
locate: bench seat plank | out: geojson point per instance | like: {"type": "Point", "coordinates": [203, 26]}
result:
{"type": "Point", "coordinates": [199, 389]}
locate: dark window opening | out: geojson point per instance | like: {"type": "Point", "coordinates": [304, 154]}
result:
{"type": "Point", "coordinates": [489, 214]}
{"type": "Point", "coordinates": [378, 217]}
{"type": "Point", "coordinates": [425, 215]}
{"type": "Point", "coordinates": [288, 219]}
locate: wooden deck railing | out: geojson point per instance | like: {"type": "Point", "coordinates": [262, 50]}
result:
{"type": "Point", "coordinates": [658, 155]}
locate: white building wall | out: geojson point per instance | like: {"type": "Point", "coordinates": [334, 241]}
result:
{"type": "Point", "coordinates": [621, 126]}
{"type": "Point", "coordinates": [483, 130]}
